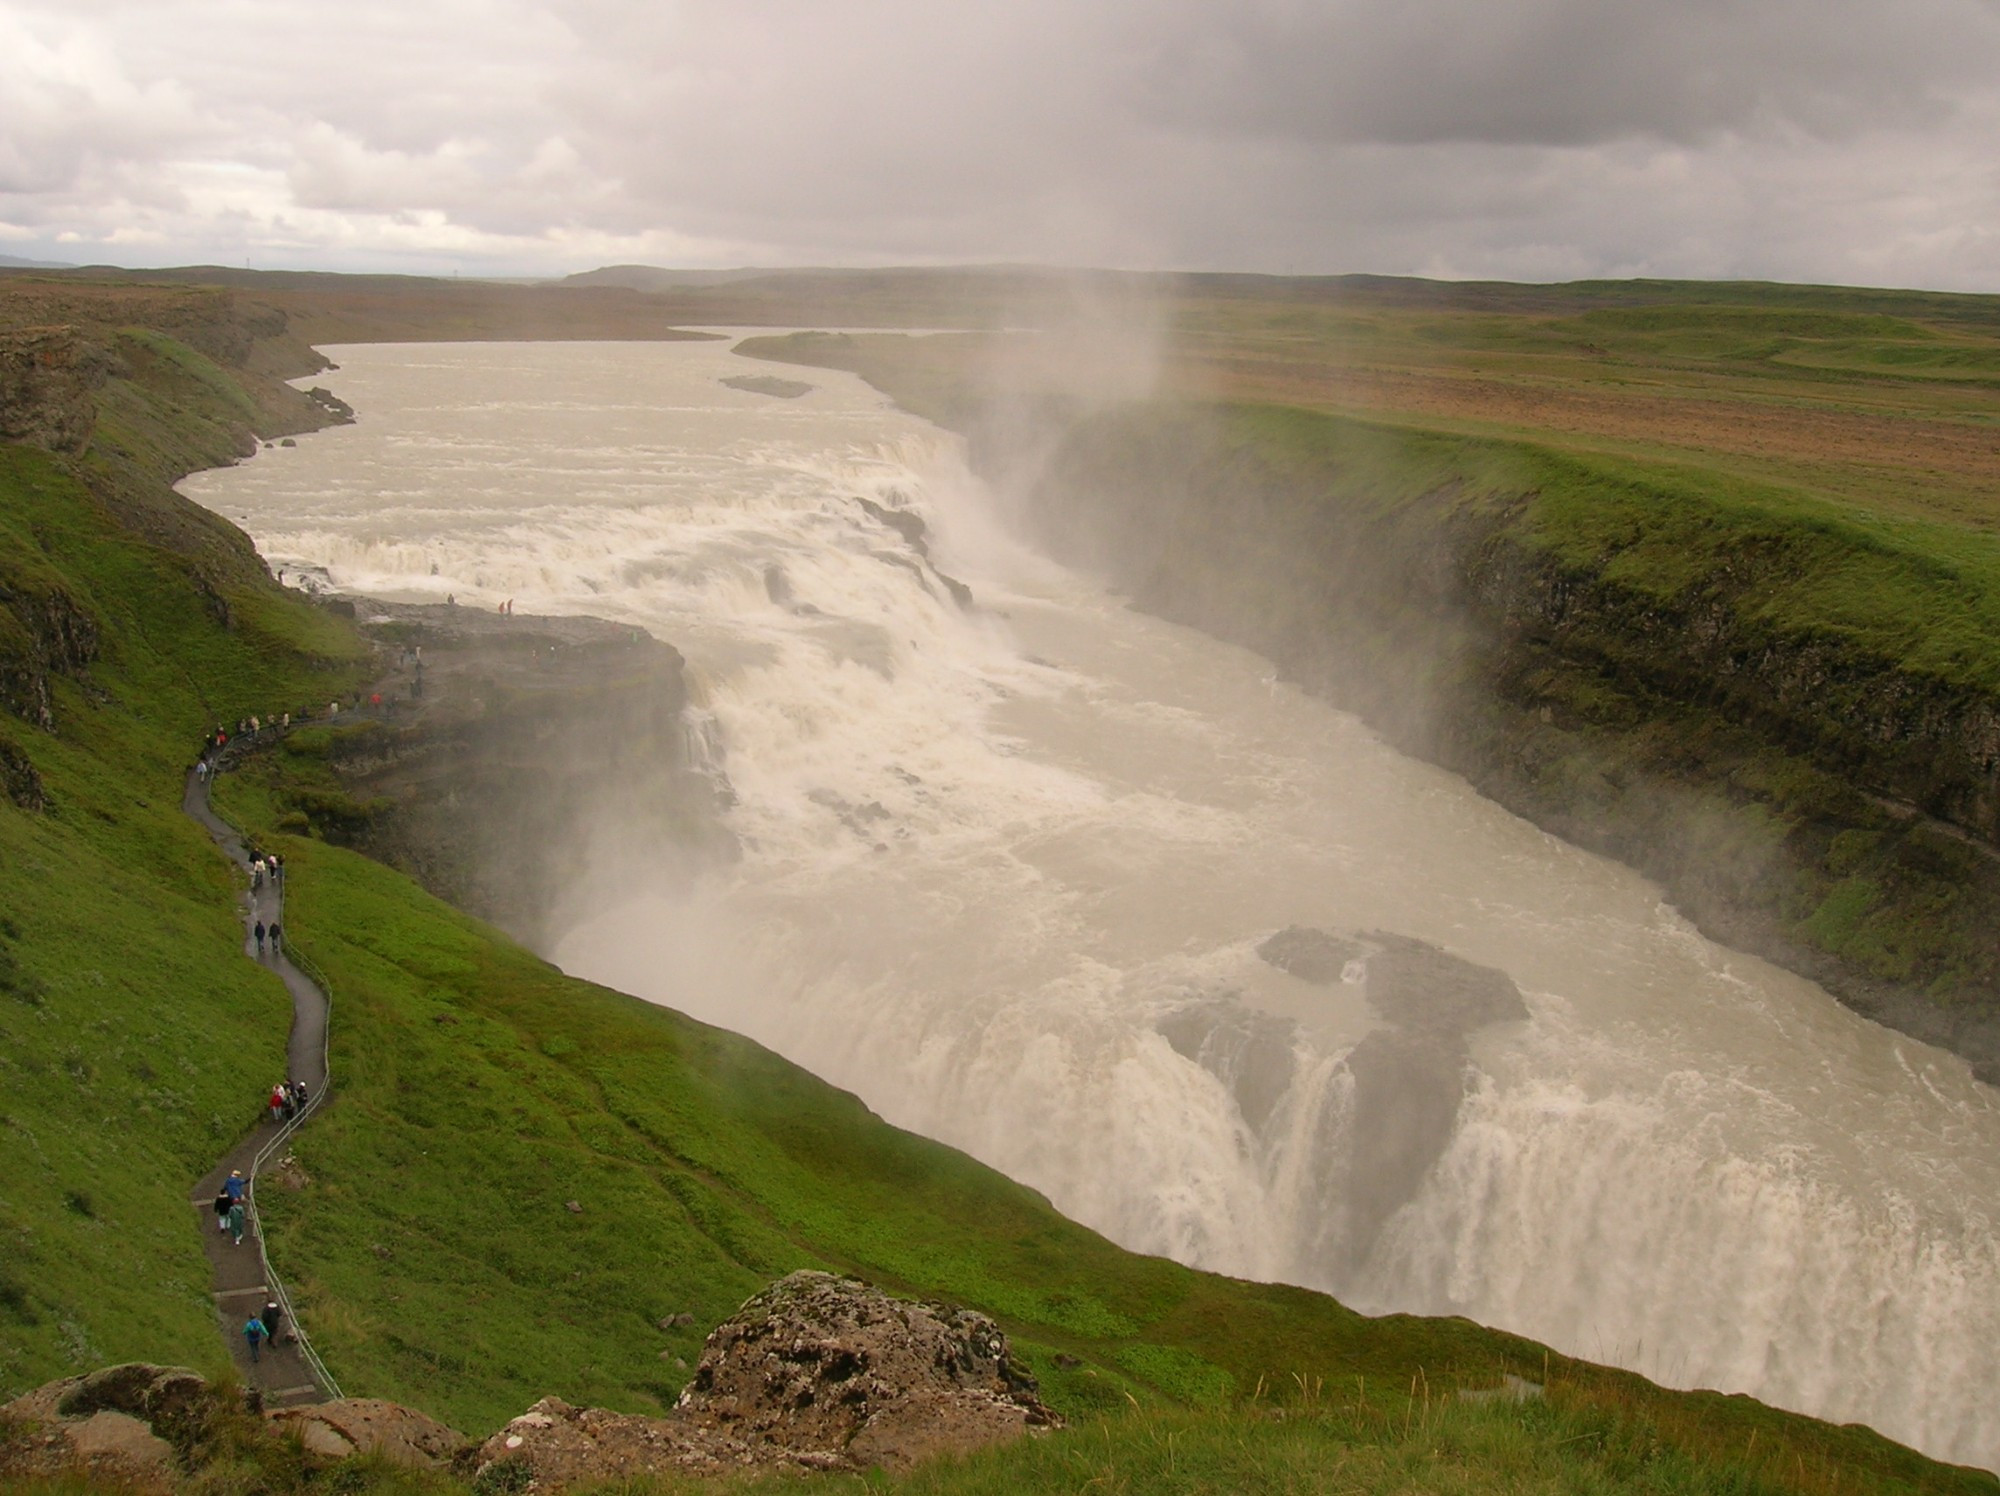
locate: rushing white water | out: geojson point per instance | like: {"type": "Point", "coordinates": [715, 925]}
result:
{"type": "Point", "coordinates": [1001, 863]}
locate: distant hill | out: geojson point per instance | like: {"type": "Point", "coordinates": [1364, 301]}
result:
{"type": "Point", "coordinates": [15, 262]}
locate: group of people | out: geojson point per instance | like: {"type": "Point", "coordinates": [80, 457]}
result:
{"type": "Point", "coordinates": [261, 1329]}
{"type": "Point", "coordinates": [232, 1205]}
{"type": "Point", "coordinates": [273, 932]}
{"type": "Point", "coordinates": [287, 1101]}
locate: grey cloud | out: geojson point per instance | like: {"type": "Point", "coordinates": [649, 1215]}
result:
{"type": "Point", "coordinates": [1562, 72]}
{"type": "Point", "coordinates": [1844, 139]}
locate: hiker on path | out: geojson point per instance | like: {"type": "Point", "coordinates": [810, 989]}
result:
{"type": "Point", "coordinates": [272, 1316]}
{"type": "Point", "coordinates": [278, 1102]}
{"type": "Point", "coordinates": [237, 1218]}
{"type": "Point", "coordinates": [299, 1093]}
{"type": "Point", "coordinates": [235, 1185]}
{"type": "Point", "coordinates": [254, 1332]}
{"type": "Point", "coordinates": [258, 931]}
{"type": "Point", "coordinates": [273, 932]}
{"type": "Point", "coordinates": [223, 1200]}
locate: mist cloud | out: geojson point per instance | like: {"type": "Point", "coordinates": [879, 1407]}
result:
{"type": "Point", "coordinates": [1797, 139]}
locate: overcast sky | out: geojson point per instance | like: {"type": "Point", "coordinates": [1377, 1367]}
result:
{"type": "Point", "coordinates": [1830, 140]}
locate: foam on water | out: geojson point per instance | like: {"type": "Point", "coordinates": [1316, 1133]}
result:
{"type": "Point", "coordinates": [991, 855]}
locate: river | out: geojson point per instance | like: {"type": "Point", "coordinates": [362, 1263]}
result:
{"type": "Point", "coordinates": [1008, 868]}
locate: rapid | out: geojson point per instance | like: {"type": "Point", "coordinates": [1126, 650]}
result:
{"type": "Point", "coordinates": [1006, 871]}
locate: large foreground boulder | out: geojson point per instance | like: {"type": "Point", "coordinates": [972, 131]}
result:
{"type": "Point", "coordinates": [814, 1373]}
{"type": "Point", "coordinates": [117, 1427]}
{"type": "Point", "coordinates": [819, 1363]}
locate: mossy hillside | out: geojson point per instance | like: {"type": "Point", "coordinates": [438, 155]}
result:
{"type": "Point", "coordinates": [135, 1042]}
{"type": "Point", "coordinates": [479, 1091]}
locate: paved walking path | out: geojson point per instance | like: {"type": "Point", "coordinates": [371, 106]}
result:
{"type": "Point", "coordinates": [282, 1372]}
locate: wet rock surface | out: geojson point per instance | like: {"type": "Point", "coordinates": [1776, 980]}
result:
{"type": "Point", "coordinates": [770, 384]}
{"type": "Point", "coordinates": [1405, 1082]}
{"type": "Point", "coordinates": [1310, 955]}
{"type": "Point", "coordinates": [1249, 1051]}
{"type": "Point", "coordinates": [1417, 985]}
{"type": "Point", "coordinates": [815, 1373]}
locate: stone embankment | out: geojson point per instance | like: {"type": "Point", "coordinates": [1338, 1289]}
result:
{"type": "Point", "coordinates": [814, 1373]}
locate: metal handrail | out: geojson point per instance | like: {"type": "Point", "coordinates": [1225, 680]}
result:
{"type": "Point", "coordinates": [275, 1285]}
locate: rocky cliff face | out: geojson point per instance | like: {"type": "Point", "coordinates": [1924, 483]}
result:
{"type": "Point", "coordinates": [49, 377]}
{"type": "Point", "coordinates": [511, 761]}
{"type": "Point", "coordinates": [1799, 797]}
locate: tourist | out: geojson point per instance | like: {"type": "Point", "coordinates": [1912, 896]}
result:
{"type": "Point", "coordinates": [258, 930]}
{"type": "Point", "coordinates": [237, 1217]}
{"type": "Point", "coordinates": [278, 1102]}
{"type": "Point", "coordinates": [223, 1200]}
{"type": "Point", "coordinates": [299, 1093]}
{"type": "Point", "coordinates": [254, 1332]}
{"type": "Point", "coordinates": [272, 1316]}
{"type": "Point", "coordinates": [235, 1184]}
{"type": "Point", "coordinates": [274, 937]}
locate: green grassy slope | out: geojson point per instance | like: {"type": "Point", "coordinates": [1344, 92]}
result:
{"type": "Point", "coordinates": [133, 1042]}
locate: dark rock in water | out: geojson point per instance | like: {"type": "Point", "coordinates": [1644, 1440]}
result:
{"type": "Point", "coordinates": [767, 384]}
{"type": "Point", "coordinates": [1308, 954]}
{"type": "Point", "coordinates": [960, 593]}
{"type": "Point", "coordinates": [777, 586]}
{"type": "Point", "coordinates": [914, 531]}
{"type": "Point", "coordinates": [856, 818]}
{"type": "Point", "coordinates": [910, 526]}
{"type": "Point", "coordinates": [1249, 1051]}
{"type": "Point", "coordinates": [331, 403]}
{"type": "Point", "coordinates": [1413, 983]}
{"type": "Point", "coordinates": [1408, 1088]}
